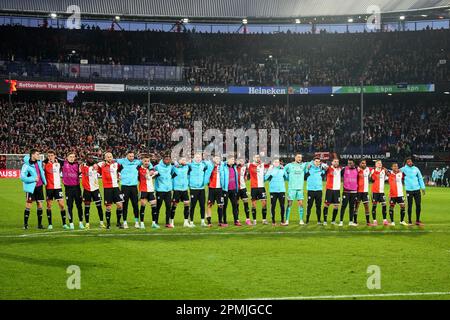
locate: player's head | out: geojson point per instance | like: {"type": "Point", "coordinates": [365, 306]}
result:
{"type": "Point", "coordinates": [130, 155]}
{"type": "Point", "coordinates": [198, 157]}
{"type": "Point", "coordinates": [182, 161]}
{"type": "Point", "coordinates": [108, 157]}
{"type": "Point", "coordinates": [298, 158]}
{"type": "Point", "coordinates": [409, 162]}
{"type": "Point", "coordinates": [276, 162]}
{"type": "Point", "coordinates": [363, 164]}
{"type": "Point", "coordinates": [51, 155]}
{"type": "Point", "coordinates": [316, 161]}
{"type": "Point", "coordinates": [167, 160]}
{"type": "Point", "coordinates": [89, 160]}
{"type": "Point", "coordinates": [34, 155]}
{"type": "Point", "coordinates": [335, 162]}
{"type": "Point", "coordinates": [351, 163]}
{"type": "Point", "coordinates": [257, 158]}
{"type": "Point", "coordinates": [146, 160]}
{"type": "Point", "coordinates": [231, 161]}
{"type": "Point", "coordinates": [394, 167]}
{"type": "Point", "coordinates": [216, 159]}
{"type": "Point", "coordinates": [378, 164]}
{"type": "Point", "coordinates": [240, 161]}
{"type": "Point", "coordinates": [71, 157]}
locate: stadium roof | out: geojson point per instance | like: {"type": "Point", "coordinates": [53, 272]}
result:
{"type": "Point", "coordinates": [219, 8]}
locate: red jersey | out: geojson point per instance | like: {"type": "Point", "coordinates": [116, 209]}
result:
{"type": "Point", "coordinates": [396, 184]}
{"type": "Point", "coordinates": [333, 178]}
{"type": "Point", "coordinates": [214, 180]}
{"type": "Point", "coordinates": [378, 177]}
{"type": "Point", "coordinates": [110, 174]}
{"type": "Point", "coordinates": [89, 177]}
{"type": "Point", "coordinates": [242, 173]}
{"type": "Point", "coordinates": [257, 174]}
{"type": "Point", "coordinates": [52, 172]}
{"type": "Point", "coordinates": [363, 179]}
{"type": "Point", "coordinates": [145, 179]}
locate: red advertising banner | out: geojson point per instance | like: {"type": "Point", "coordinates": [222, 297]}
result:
{"type": "Point", "coordinates": [9, 173]}
{"type": "Point", "coordinates": [54, 86]}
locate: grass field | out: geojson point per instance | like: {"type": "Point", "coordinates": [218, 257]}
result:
{"type": "Point", "coordinates": [231, 263]}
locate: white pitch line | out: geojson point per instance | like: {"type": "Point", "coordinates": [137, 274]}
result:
{"type": "Point", "coordinates": [375, 295]}
{"type": "Point", "coordinates": [83, 233]}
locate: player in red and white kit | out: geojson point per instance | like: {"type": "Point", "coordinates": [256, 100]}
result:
{"type": "Point", "coordinates": [146, 189]}
{"type": "Point", "coordinates": [396, 195]}
{"type": "Point", "coordinates": [256, 170]}
{"type": "Point", "coordinates": [379, 176]}
{"type": "Point", "coordinates": [215, 193]}
{"type": "Point", "coordinates": [91, 192]}
{"type": "Point", "coordinates": [109, 169]}
{"type": "Point", "coordinates": [333, 190]}
{"type": "Point", "coordinates": [52, 170]}
{"type": "Point", "coordinates": [242, 192]}
{"type": "Point", "coordinates": [363, 188]}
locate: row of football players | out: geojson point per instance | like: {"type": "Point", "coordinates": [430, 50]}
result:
{"type": "Point", "coordinates": [226, 181]}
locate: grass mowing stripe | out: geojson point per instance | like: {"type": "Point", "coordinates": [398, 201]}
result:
{"type": "Point", "coordinates": [375, 295]}
{"type": "Point", "coordinates": [82, 233]}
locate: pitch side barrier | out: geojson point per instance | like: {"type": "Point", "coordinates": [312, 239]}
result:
{"type": "Point", "coordinates": [20, 85]}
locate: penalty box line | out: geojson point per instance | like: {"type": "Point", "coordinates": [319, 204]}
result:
{"type": "Point", "coordinates": [85, 233]}
{"type": "Point", "coordinates": [350, 296]}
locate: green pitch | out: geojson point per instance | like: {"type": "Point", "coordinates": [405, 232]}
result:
{"type": "Point", "coordinates": [231, 263]}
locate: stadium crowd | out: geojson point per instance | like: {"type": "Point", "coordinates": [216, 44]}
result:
{"type": "Point", "coordinates": [236, 59]}
{"type": "Point", "coordinates": [98, 126]}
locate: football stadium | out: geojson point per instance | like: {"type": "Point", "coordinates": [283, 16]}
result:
{"type": "Point", "coordinates": [224, 150]}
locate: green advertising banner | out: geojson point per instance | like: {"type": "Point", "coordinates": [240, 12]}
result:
{"type": "Point", "coordinates": [384, 89]}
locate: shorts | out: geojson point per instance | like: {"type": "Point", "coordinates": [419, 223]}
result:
{"type": "Point", "coordinates": [149, 196]}
{"type": "Point", "coordinates": [113, 195]}
{"type": "Point", "coordinates": [180, 195]}
{"type": "Point", "coordinates": [54, 194]}
{"type": "Point", "coordinates": [215, 195]}
{"type": "Point", "coordinates": [258, 193]}
{"type": "Point", "coordinates": [396, 200]}
{"type": "Point", "coordinates": [73, 192]}
{"type": "Point", "coordinates": [242, 194]}
{"type": "Point", "coordinates": [363, 197]}
{"type": "Point", "coordinates": [37, 195]}
{"type": "Point", "coordinates": [295, 194]}
{"type": "Point", "coordinates": [378, 197]}
{"type": "Point", "coordinates": [333, 196]}
{"type": "Point", "coordinates": [92, 196]}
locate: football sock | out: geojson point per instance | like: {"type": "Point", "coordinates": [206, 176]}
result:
{"type": "Point", "coordinates": [402, 214]}
{"type": "Point", "coordinates": [186, 212]}
{"type": "Point", "coordinates": [288, 213]}
{"type": "Point", "coordinates": [254, 213]}
{"type": "Point", "coordinates": [142, 213]}
{"type": "Point", "coordinates": [335, 213]}
{"type": "Point", "coordinates": [86, 213]}
{"type": "Point", "coordinates": [39, 216]}
{"type": "Point", "coordinates": [300, 212]}
{"type": "Point", "coordinates": [383, 210]}
{"type": "Point", "coordinates": [49, 216]}
{"type": "Point", "coordinates": [220, 214]}
{"type": "Point", "coordinates": [247, 214]}
{"type": "Point", "coordinates": [325, 214]}
{"type": "Point", "coordinates": [63, 216]}
{"type": "Point", "coordinates": [391, 214]}
{"type": "Point", "coordinates": [108, 216]}
{"type": "Point", "coordinates": [374, 212]}
{"type": "Point", "coordinates": [26, 215]}
{"type": "Point", "coordinates": [264, 213]}
{"type": "Point", "coordinates": [208, 219]}
{"type": "Point", "coordinates": [100, 212]}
